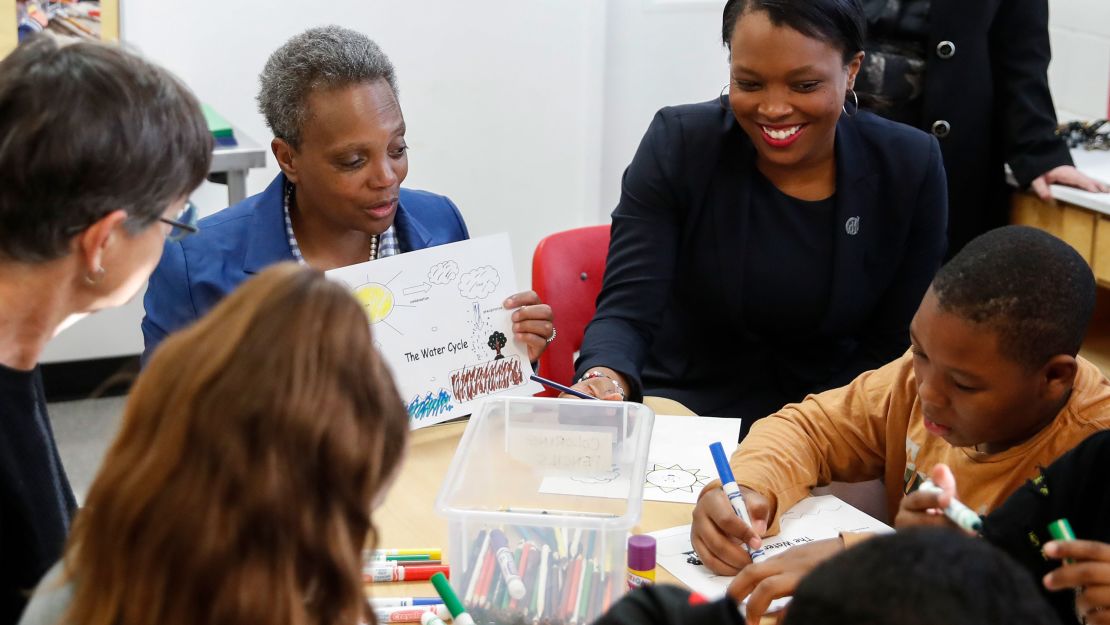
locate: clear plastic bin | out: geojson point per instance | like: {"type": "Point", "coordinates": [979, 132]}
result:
{"type": "Point", "coordinates": [569, 550]}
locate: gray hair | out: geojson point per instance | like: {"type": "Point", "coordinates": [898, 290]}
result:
{"type": "Point", "coordinates": [319, 58]}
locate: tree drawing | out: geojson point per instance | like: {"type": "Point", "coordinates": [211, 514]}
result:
{"type": "Point", "coordinates": [497, 340]}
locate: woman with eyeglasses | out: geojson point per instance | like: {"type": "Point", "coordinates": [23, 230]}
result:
{"type": "Point", "coordinates": [774, 241]}
{"type": "Point", "coordinates": [330, 97]}
{"type": "Point", "coordinates": [99, 150]}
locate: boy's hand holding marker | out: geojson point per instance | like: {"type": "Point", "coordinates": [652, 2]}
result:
{"type": "Point", "coordinates": [1085, 568]}
{"type": "Point", "coordinates": [935, 503]}
{"type": "Point", "coordinates": [719, 533]}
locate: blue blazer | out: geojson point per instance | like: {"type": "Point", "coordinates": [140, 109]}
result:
{"type": "Point", "coordinates": [241, 240]}
{"type": "Point", "coordinates": [670, 314]}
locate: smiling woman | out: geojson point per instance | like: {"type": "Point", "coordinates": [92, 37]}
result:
{"type": "Point", "coordinates": [771, 242]}
{"type": "Point", "coordinates": [330, 97]}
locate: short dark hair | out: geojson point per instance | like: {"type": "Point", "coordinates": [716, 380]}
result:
{"type": "Point", "coordinates": [87, 128]}
{"type": "Point", "coordinates": [919, 576]}
{"type": "Point", "coordinates": [840, 23]}
{"type": "Point", "coordinates": [1033, 290]}
{"type": "Point", "coordinates": [327, 57]}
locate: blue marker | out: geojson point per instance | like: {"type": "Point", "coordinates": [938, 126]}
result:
{"type": "Point", "coordinates": [559, 387]}
{"type": "Point", "coordinates": [732, 489]}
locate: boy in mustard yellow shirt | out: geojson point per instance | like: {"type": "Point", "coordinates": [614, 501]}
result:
{"type": "Point", "coordinates": [992, 386]}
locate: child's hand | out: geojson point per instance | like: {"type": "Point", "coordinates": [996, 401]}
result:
{"type": "Point", "coordinates": [718, 534]}
{"type": "Point", "coordinates": [924, 508]}
{"type": "Point", "coordinates": [773, 578]}
{"type": "Point", "coordinates": [1089, 574]}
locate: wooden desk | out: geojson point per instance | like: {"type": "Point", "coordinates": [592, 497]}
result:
{"type": "Point", "coordinates": [407, 518]}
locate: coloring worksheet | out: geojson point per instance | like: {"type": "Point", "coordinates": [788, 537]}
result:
{"type": "Point", "coordinates": [814, 518]}
{"type": "Point", "coordinates": [436, 316]}
{"type": "Point", "coordinates": [679, 463]}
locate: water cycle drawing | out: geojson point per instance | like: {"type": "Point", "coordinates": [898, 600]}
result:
{"type": "Point", "coordinates": [437, 318]}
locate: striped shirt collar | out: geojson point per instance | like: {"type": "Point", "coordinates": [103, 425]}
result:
{"type": "Point", "coordinates": [388, 244]}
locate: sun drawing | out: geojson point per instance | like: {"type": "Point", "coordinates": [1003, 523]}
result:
{"type": "Point", "coordinates": [674, 477]}
{"type": "Point", "coordinates": [376, 299]}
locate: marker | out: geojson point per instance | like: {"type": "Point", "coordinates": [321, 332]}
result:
{"type": "Point", "coordinates": [500, 545]}
{"type": "Point", "coordinates": [432, 553]}
{"type": "Point", "coordinates": [552, 384]}
{"type": "Point", "coordinates": [732, 489]}
{"type": "Point", "coordinates": [476, 570]}
{"type": "Point", "coordinates": [956, 511]}
{"type": "Point", "coordinates": [409, 614]}
{"type": "Point", "coordinates": [428, 618]}
{"type": "Point", "coordinates": [541, 592]}
{"type": "Point", "coordinates": [1060, 529]}
{"type": "Point", "coordinates": [394, 573]}
{"type": "Point", "coordinates": [397, 602]}
{"type": "Point", "coordinates": [458, 612]}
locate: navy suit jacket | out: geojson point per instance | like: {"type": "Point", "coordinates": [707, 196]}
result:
{"type": "Point", "coordinates": [241, 240]}
{"type": "Point", "coordinates": [670, 314]}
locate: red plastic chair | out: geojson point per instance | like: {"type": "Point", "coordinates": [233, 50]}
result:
{"type": "Point", "coordinates": [567, 269]}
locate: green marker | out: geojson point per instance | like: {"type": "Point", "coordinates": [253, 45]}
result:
{"type": "Point", "coordinates": [451, 600]}
{"type": "Point", "coordinates": [1060, 529]}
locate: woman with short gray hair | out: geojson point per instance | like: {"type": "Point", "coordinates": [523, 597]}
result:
{"type": "Point", "coordinates": [329, 96]}
{"type": "Point", "coordinates": [100, 150]}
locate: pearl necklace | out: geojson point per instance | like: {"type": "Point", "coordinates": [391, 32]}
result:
{"type": "Point", "coordinates": [374, 246]}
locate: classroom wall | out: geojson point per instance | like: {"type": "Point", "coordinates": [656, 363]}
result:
{"type": "Point", "coordinates": [1080, 70]}
{"type": "Point", "coordinates": [524, 112]}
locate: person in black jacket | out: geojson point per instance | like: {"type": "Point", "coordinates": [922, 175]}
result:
{"type": "Point", "coordinates": [99, 150]}
{"type": "Point", "coordinates": [974, 74]}
{"type": "Point", "coordinates": [771, 243]}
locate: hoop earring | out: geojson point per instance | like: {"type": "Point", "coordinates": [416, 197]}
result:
{"type": "Point", "coordinates": [722, 98]}
{"type": "Point", "coordinates": [95, 277]}
{"type": "Point", "coordinates": [855, 102]}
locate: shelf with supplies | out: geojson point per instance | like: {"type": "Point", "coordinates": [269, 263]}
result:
{"type": "Point", "coordinates": [97, 20]}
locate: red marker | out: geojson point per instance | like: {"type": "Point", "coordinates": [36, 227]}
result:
{"type": "Point", "coordinates": [389, 573]}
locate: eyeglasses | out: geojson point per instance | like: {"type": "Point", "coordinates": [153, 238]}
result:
{"type": "Point", "coordinates": [185, 223]}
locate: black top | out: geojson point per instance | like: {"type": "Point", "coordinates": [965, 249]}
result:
{"type": "Point", "coordinates": [986, 78]}
{"type": "Point", "coordinates": [799, 234]}
{"type": "Point", "coordinates": [36, 503]}
{"type": "Point", "coordinates": [670, 605]}
{"type": "Point", "coordinates": [893, 72]}
{"type": "Point", "coordinates": [677, 314]}
{"type": "Point", "coordinates": [1073, 488]}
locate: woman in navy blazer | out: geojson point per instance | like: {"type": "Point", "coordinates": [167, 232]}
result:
{"type": "Point", "coordinates": [330, 97]}
{"type": "Point", "coordinates": [772, 243]}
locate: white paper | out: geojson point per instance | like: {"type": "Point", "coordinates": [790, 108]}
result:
{"type": "Point", "coordinates": [679, 462]}
{"type": "Point", "coordinates": [437, 318]}
{"type": "Point", "coordinates": [814, 518]}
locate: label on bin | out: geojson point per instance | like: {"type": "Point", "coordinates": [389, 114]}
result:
{"type": "Point", "coordinates": [565, 450]}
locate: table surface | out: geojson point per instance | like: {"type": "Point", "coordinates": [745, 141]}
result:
{"type": "Point", "coordinates": [1096, 164]}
